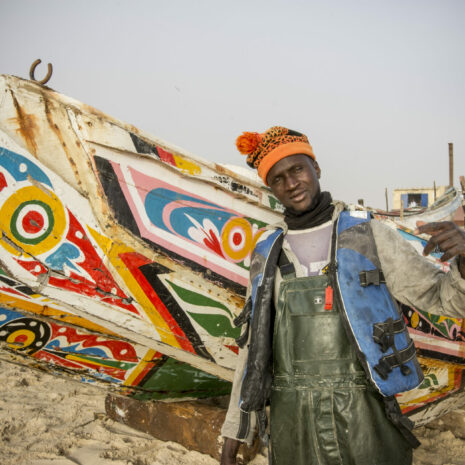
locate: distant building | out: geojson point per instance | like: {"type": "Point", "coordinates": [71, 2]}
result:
{"type": "Point", "coordinates": [422, 197]}
{"type": "Point", "coordinates": [416, 197]}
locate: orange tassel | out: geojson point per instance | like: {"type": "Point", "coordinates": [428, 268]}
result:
{"type": "Point", "coordinates": [248, 142]}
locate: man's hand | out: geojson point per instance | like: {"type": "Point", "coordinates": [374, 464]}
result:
{"type": "Point", "coordinates": [446, 237]}
{"type": "Point", "coordinates": [229, 452]}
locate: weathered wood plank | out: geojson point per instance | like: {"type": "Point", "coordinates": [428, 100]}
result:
{"type": "Point", "coordinates": [195, 425]}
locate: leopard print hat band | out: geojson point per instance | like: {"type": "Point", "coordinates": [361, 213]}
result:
{"type": "Point", "coordinates": [264, 150]}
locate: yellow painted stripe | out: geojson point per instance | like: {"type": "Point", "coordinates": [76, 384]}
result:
{"type": "Point", "coordinates": [113, 250]}
{"type": "Point", "coordinates": [75, 358]}
{"type": "Point", "coordinates": [61, 316]}
{"type": "Point", "coordinates": [187, 166]}
{"type": "Point", "coordinates": [140, 367]}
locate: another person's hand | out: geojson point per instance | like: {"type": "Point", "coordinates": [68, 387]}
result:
{"type": "Point", "coordinates": [229, 452]}
{"type": "Point", "coordinates": [447, 238]}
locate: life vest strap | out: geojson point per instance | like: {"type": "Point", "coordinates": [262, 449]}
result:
{"type": "Point", "coordinates": [244, 317]}
{"type": "Point", "coordinates": [397, 359]}
{"type": "Point", "coordinates": [244, 337]}
{"type": "Point", "coordinates": [368, 277]}
{"type": "Point", "coordinates": [383, 333]}
{"type": "Point", "coordinates": [286, 267]}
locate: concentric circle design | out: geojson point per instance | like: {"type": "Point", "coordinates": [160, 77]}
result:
{"type": "Point", "coordinates": [237, 238]}
{"type": "Point", "coordinates": [32, 222]}
{"type": "Point", "coordinates": [26, 334]}
{"type": "Point", "coordinates": [33, 219]}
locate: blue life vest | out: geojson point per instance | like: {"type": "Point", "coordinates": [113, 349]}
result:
{"type": "Point", "coordinates": [371, 316]}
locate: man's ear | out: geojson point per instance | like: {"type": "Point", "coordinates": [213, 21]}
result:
{"type": "Point", "coordinates": [317, 168]}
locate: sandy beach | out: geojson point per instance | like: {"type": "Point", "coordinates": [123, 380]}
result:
{"type": "Point", "coordinates": [49, 420]}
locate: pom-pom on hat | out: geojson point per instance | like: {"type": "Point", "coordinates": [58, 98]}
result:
{"type": "Point", "coordinates": [264, 150]}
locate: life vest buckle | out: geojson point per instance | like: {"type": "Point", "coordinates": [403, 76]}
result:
{"type": "Point", "coordinates": [383, 333]}
{"type": "Point", "coordinates": [399, 358]}
{"type": "Point", "coordinates": [368, 277]}
{"type": "Point", "coordinates": [405, 370]}
{"type": "Point", "coordinates": [383, 368]}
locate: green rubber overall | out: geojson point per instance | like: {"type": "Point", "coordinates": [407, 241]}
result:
{"type": "Point", "coordinates": [323, 411]}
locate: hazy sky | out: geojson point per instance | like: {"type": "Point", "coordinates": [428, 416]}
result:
{"type": "Point", "coordinates": [378, 86]}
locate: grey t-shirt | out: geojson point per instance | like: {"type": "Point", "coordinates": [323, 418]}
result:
{"type": "Point", "coordinates": [311, 247]}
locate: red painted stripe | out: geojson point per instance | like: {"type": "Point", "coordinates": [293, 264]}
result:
{"type": "Point", "coordinates": [10, 290]}
{"type": "Point", "coordinates": [133, 261]}
{"type": "Point", "coordinates": [146, 369]}
{"type": "Point", "coordinates": [3, 182]}
{"type": "Point", "coordinates": [234, 349]}
{"type": "Point", "coordinates": [54, 360]}
{"type": "Point", "coordinates": [165, 156]}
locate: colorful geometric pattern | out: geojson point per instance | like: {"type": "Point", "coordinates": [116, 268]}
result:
{"type": "Point", "coordinates": [50, 242]}
{"type": "Point", "coordinates": [134, 369]}
{"type": "Point", "coordinates": [173, 219]}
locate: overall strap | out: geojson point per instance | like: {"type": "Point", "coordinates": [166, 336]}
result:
{"type": "Point", "coordinates": [286, 267]}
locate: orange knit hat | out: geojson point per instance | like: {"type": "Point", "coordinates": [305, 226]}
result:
{"type": "Point", "coordinates": [264, 150]}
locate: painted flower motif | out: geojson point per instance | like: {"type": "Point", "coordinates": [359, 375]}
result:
{"type": "Point", "coordinates": [205, 233]}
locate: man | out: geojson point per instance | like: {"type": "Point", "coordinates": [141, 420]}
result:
{"type": "Point", "coordinates": [297, 353]}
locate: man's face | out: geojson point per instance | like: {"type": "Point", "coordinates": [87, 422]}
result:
{"type": "Point", "coordinates": [294, 181]}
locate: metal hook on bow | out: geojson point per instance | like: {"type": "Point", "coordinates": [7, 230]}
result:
{"type": "Point", "coordinates": [33, 68]}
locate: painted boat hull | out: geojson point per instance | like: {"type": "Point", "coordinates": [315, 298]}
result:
{"type": "Point", "coordinates": [134, 254]}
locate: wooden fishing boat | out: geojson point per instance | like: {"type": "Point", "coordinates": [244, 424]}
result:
{"type": "Point", "coordinates": [124, 259]}
{"type": "Point", "coordinates": [443, 207]}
